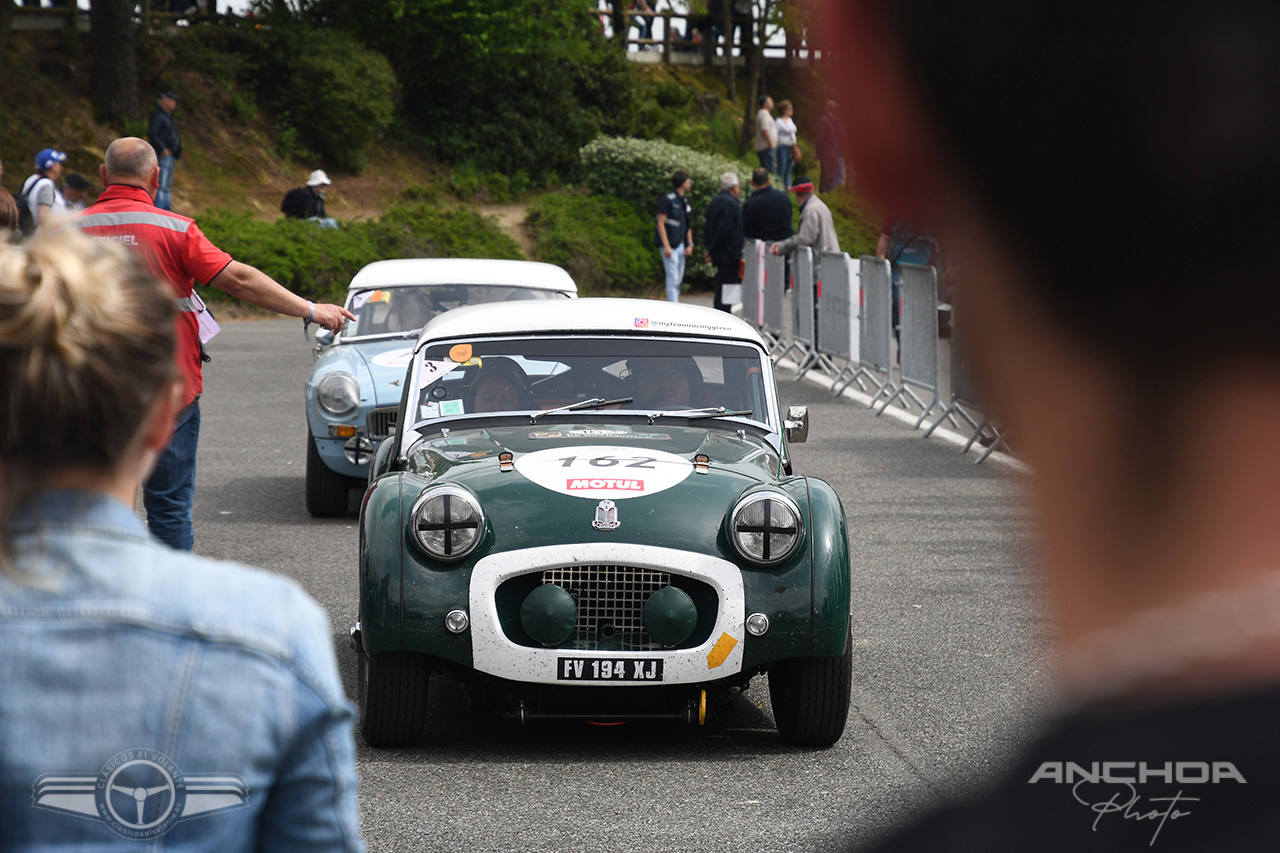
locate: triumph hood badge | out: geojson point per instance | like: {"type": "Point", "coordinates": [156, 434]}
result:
{"type": "Point", "coordinates": [606, 516]}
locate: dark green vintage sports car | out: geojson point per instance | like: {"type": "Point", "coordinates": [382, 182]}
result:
{"type": "Point", "coordinates": [589, 511]}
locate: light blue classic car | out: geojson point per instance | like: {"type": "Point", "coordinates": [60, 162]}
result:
{"type": "Point", "coordinates": [353, 393]}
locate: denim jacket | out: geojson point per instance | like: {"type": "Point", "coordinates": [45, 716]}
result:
{"type": "Point", "coordinates": [151, 695]}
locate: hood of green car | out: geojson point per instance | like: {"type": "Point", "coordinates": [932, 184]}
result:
{"type": "Point", "coordinates": [586, 482]}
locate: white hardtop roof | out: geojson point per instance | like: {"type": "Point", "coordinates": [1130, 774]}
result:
{"type": "Point", "coordinates": [609, 316]}
{"type": "Point", "coordinates": [411, 271]}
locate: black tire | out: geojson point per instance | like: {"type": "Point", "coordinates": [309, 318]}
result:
{"type": "Point", "coordinates": [392, 695]}
{"type": "Point", "coordinates": [327, 492]}
{"type": "Point", "coordinates": [810, 697]}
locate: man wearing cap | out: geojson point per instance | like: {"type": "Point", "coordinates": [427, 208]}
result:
{"type": "Point", "coordinates": [40, 189]}
{"type": "Point", "coordinates": [766, 214]}
{"type": "Point", "coordinates": [162, 133]}
{"type": "Point", "coordinates": [177, 251]}
{"type": "Point", "coordinates": [817, 229]}
{"type": "Point", "coordinates": [73, 189]}
{"type": "Point", "coordinates": [308, 202]}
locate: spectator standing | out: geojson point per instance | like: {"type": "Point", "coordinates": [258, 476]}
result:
{"type": "Point", "coordinates": [901, 242]}
{"type": "Point", "coordinates": [786, 141]}
{"type": "Point", "coordinates": [40, 189]}
{"type": "Point", "coordinates": [8, 219]}
{"type": "Point", "coordinates": [722, 235]}
{"type": "Point", "coordinates": [163, 135]}
{"type": "Point", "coordinates": [1147, 413]}
{"type": "Point", "coordinates": [766, 140]}
{"type": "Point", "coordinates": [830, 149]}
{"type": "Point", "coordinates": [116, 645]}
{"type": "Point", "coordinates": [817, 228]}
{"type": "Point", "coordinates": [178, 252]}
{"type": "Point", "coordinates": [74, 187]}
{"type": "Point", "coordinates": [766, 214]}
{"type": "Point", "coordinates": [643, 19]}
{"type": "Point", "coordinates": [673, 236]}
{"type": "Point", "coordinates": [308, 202]}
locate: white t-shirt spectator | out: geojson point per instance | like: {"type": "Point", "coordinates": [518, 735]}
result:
{"type": "Point", "coordinates": [44, 192]}
{"type": "Point", "coordinates": [766, 131]}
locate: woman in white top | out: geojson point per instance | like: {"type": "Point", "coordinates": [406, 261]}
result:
{"type": "Point", "coordinates": [786, 138]}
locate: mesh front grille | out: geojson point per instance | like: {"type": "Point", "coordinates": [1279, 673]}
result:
{"type": "Point", "coordinates": [382, 422]}
{"type": "Point", "coordinates": [610, 602]}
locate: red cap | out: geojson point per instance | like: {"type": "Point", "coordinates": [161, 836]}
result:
{"type": "Point", "coordinates": [802, 188]}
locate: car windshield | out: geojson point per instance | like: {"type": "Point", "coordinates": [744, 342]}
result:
{"type": "Point", "coordinates": [405, 309]}
{"type": "Point", "coordinates": [674, 376]}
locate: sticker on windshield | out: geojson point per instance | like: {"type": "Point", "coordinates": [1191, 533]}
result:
{"type": "Point", "coordinates": [604, 471]}
{"type": "Point", "coordinates": [440, 409]}
{"type": "Point", "coordinates": [433, 370]}
{"type": "Point", "coordinates": [460, 353]}
{"type": "Point", "coordinates": [393, 358]}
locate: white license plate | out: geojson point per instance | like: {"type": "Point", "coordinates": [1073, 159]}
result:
{"type": "Point", "coordinates": [597, 669]}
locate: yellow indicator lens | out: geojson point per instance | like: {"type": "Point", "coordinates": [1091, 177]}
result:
{"type": "Point", "coordinates": [344, 431]}
{"type": "Point", "coordinates": [720, 651]}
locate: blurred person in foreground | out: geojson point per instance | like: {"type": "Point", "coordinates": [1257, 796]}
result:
{"type": "Point", "coordinates": [178, 251]}
{"type": "Point", "coordinates": [1144, 385]}
{"type": "Point", "coordinates": [148, 693]}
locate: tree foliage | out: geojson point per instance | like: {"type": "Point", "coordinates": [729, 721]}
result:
{"type": "Point", "coordinates": [512, 86]}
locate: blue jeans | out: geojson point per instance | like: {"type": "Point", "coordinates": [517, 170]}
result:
{"type": "Point", "coordinates": [674, 269]}
{"type": "Point", "coordinates": [785, 164]}
{"type": "Point", "coordinates": [166, 181]}
{"type": "Point", "coordinates": [766, 159]}
{"type": "Point", "coordinates": [168, 493]}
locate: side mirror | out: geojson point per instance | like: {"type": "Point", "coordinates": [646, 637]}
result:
{"type": "Point", "coordinates": [324, 337]}
{"type": "Point", "coordinates": [797, 424]}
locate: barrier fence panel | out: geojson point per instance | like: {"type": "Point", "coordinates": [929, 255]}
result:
{"type": "Point", "coordinates": [875, 328]}
{"type": "Point", "coordinates": [837, 301]}
{"type": "Point", "coordinates": [918, 337]}
{"type": "Point", "coordinates": [804, 334]}
{"type": "Point", "coordinates": [964, 396]}
{"type": "Point", "coordinates": [775, 291]}
{"type": "Point", "coordinates": [751, 271]}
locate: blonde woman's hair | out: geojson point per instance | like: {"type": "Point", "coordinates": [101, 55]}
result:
{"type": "Point", "coordinates": [86, 343]}
{"type": "Point", "coordinates": [782, 107]}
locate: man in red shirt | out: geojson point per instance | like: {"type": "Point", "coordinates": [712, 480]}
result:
{"type": "Point", "coordinates": [177, 251]}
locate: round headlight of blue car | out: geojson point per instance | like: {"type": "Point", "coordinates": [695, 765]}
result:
{"type": "Point", "coordinates": [338, 393]}
{"type": "Point", "coordinates": [767, 528]}
{"type": "Point", "coordinates": [447, 522]}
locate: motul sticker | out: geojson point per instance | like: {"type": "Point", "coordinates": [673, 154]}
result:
{"type": "Point", "coordinates": [604, 471]}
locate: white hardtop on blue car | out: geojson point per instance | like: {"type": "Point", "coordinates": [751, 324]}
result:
{"type": "Point", "coordinates": [353, 393]}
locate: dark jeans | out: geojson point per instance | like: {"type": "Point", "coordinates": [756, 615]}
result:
{"type": "Point", "coordinates": [766, 159]}
{"type": "Point", "coordinates": [168, 493]}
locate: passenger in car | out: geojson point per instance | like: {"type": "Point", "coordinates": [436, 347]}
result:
{"type": "Point", "coordinates": [410, 310]}
{"type": "Point", "coordinates": [666, 383]}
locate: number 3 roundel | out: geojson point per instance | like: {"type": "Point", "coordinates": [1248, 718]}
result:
{"type": "Point", "coordinates": [604, 471]}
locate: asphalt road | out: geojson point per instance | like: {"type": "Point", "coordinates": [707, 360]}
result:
{"type": "Point", "coordinates": [949, 660]}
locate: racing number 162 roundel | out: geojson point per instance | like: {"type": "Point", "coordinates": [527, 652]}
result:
{"type": "Point", "coordinates": [603, 471]}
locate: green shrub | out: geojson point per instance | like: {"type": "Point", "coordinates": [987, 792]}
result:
{"type": "Point", "coordinates": [639, 171]}
{"type": "Point", "coordinates": [602, 242]}
{"type": "Point", "coordinates": [318, 264]}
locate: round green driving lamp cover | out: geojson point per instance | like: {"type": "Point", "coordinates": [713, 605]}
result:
{"type": "Point", "coordinates": [549, 614]}
{"type": "Point", "coordinates": [670, 616]}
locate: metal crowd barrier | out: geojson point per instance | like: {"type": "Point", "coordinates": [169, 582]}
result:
{"type": "Point", "coordinates": [836, 289]}
{"type": "Point", "coordinates": [752, 281]}
{"type": "Point", "coordinates": [804, 333]}
{"type": "Point", "coordinates": [964, 397]}
{"type": "Point", "coordinates": [875, 329]}
{"type": "Point", "coordinates": [918, 338]}
{"type": "Point", "coordinates": [772, 305]}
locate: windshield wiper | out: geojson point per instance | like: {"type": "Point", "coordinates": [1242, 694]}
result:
{"type": "Point", "coordinates": [708, 412]}
{"type": "Point", "coordinates": [593, 403]}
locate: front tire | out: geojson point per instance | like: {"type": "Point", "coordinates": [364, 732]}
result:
{"type": "Point", "coordinates": [810, 697]}
{"type": "Point", "coordinates": [327, 492]}
{"type": "Point", "coordinates": [392, 695]}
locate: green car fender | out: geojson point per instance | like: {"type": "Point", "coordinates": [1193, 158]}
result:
{"type": "Point", "coordinates": [382, 526]}
{"type": "Point", "coordinates": [829, 549]}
